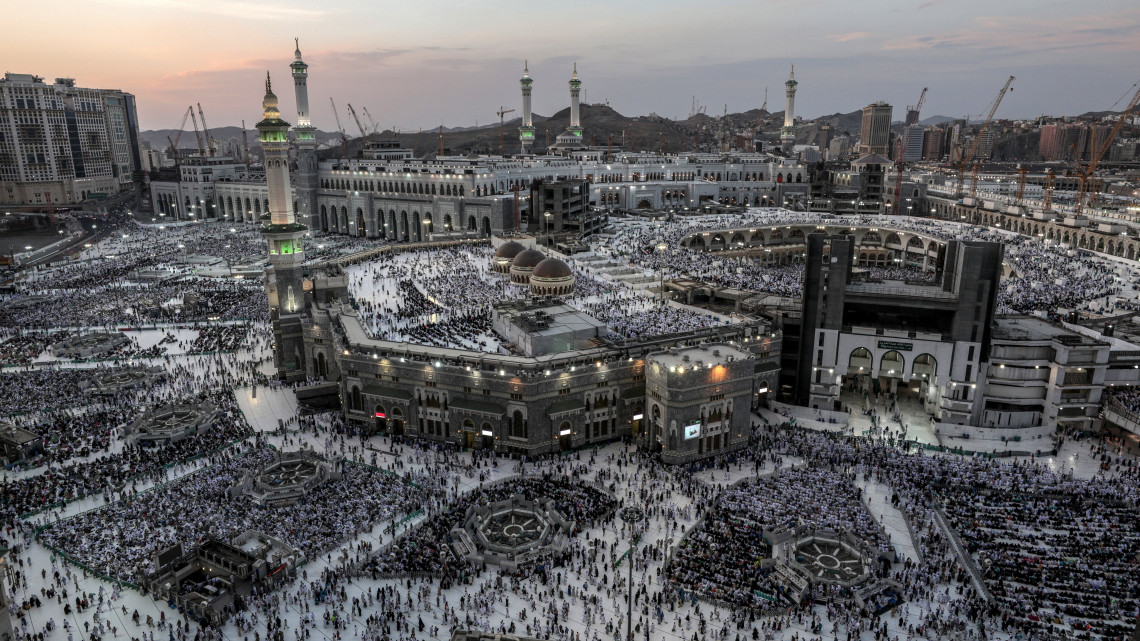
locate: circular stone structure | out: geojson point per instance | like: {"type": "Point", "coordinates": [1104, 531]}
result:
{"type": "Point", "coordinates": [524, 264]}
{"type": "Point", "coordinates": [505, 256]}
{"type": "Point", "coordinates": [511, 533]}
{"type": "Point", "coordinates": [828, 558]}
{"type": "Point", "coordinates": [90, 344]}
{"type": "Point", "coordinates": [167, 424]}
{"type": "Point", "coordinates": [288, 478]}
{"type": "Point", "coordinates": [105, 382]}
{"type": "Point", "coordinates": [552, 277]}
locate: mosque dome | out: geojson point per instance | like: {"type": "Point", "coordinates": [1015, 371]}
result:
{"type": "Point", "coordinates": [529, 258]}
{"type": "Point", "coordinates": [509, 249]}
{"type": "Point", "coordinates": [552, 277]}
{"type": "Point", "coordinates": [552, 268]}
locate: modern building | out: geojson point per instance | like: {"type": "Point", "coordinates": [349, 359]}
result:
{"type": "Point", "coordinates": [875, 133]}
{"type": "Point", "coordinates": [914, 136]}
{"type": "Point", "coordinates": [932, 141]}
{"type": "Point", "coordinates": [61, 144]}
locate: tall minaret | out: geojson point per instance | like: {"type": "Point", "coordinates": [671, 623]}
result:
{"type": "Point", "coordinates": [283, 279]}
{"type": "Point", "coordinates": [305, 134]}
{"type": "Point", "coordinates": [788, 133]}
{"type": "Point", "coordinates": [575, 86]}
{"type": "Point", "coordinates": [526, 131]}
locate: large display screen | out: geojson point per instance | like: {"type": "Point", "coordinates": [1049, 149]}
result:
{"type": "Point", "coordinates": [692, 431]}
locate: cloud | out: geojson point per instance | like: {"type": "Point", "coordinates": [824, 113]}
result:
{"type": "Point", "coordinates": [248, 9]}
{"type": "Point", "coordinates": [848, 37]}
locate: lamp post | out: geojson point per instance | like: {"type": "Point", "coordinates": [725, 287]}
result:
{"type": "Point", "coordinates": [632, 516]}
{"type": "Point", "coordinates": [548, 215]}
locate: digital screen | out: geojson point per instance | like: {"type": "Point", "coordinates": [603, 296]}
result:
{"type": "Point", "coordinates": [692, 431]}
{"type": "Point", "coordinates": [638, 417]}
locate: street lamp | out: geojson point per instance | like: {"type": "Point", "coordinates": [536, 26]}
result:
{"type": "Point", "coordinates": [427, 223]}
{"type": "Point", "coordinates": [632, 516]}
{"type": "Point", "coordinates": [548, 215]}
{"type": "Point", "coordinates": [661, 247]}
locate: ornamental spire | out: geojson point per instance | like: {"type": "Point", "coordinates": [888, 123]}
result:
{"type": "Point", "coordinates": [268, 83]}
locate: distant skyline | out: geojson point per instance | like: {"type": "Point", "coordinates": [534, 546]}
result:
{"type": "Point", "coordinates": [455, 63]}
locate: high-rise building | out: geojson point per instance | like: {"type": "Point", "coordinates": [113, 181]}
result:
{"type": "Point", "coordinates": [526, 127]}
{"type": "Point", "coordinates": [986, 144]}
{"type": "Point", "coordinates": [875, 134]}
{"type": "Point", "coordinates": [825, 134]}
{"type": "Point", "coordinates": [283, 283]}
{"type": "Point", "coordinates": [788, 132]}
{"type": "Point", "coordinates": [915, 142]}
{"type": "Point", "coordinates": [1049, 146]}
{"type": "Point", "coordinates": [932, 140]}
{"type": "Point", "coordinates": [62, 144]}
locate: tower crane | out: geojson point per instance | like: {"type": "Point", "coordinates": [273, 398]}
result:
{"type": "Point", "coordinates": [1088, 173]}
{"type": "Point", "coordinates": [901, 160]}
{"type": "Point", "coordinates": [177, 137]}
{"type": "Point", "coordinates": [371, 120]}
{"type": "Point", "coordinates": [206, 131]}
{"type": "Point", "coordinates": [1022, 174]}
{"type": "Point", "coordinates": [969, 157]}
{"type": "Point", "coordinates": [502, 112]}
{"type": "Point", "coordinates": [363, 134]}
{"type": "Point", "coordinates": [340, 128]}
{"type": "Point", "coordinates": [197, 135]}
{"type": "Point", "coordinates": [1047, 195]}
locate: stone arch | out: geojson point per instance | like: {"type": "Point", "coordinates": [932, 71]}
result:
{"type": "Point", "coordinates": [925, 366]}
{"type": "Point", "coordinates": [892, 363]}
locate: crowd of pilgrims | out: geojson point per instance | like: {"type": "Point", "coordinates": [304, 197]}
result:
{"type": "Point", "coordinates": [581, 597]}
{"type": "Point", "coordinates": [444, 297]}
{"type": "Point", "coordinates": [120, 539]}
{"type": "Point", "coordinates": [1128, 396]}
{"type": "Point", "coordinates": [427, 549]}
{"type": "Point", "coordinates": [815, 498]}
{"type": "Point", "coordinates": [1046, 277]}
{"type": "Point", "coordinates": [111, 469]}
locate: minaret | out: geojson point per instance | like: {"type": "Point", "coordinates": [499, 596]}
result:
{"type": "Point", "coordinates": [788, 133]}
{"type": "Point", "coordinates": [284, 284]}
{"type": "Point", "coordinates": [305, 134]}
{"type": "Point", "coordinates": [526, 131]}
{"type": "Point", "coordinates": [575, 87]}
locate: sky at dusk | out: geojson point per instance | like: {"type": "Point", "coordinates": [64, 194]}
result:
{"type": "Point", "coordinates": [421, 64]}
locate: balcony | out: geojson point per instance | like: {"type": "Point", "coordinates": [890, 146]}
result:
{"type": "Point", "coordinates": [1077, 378]}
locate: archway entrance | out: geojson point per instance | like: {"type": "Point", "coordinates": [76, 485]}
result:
{"type": "Point", "coordinates": [380, 418]}
{"type": "Point", "coordinates": [564, 432]}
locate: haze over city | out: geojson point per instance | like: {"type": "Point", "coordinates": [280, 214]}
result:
{"type": "Point", "coordinates": [456, 63]}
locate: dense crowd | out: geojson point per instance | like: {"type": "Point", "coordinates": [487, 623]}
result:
{"type": "Point", "coordinates": [1043, 277]}
{"type": "Point", "coordinates": [426, 549]}
{"type": "Point", "coordinates": [203, 505]}
{"type": "Point", "coordinates": [1127, 396]}
{"type": "Point", "coordinates": [113, 471]}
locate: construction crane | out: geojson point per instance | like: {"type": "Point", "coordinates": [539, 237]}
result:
{"type": "Point", "coordinates": [340, 128]}
{"type": "Point", "coordinates": [178, 136]}
{"type": "Point", "coordinates": [206, 131]}
{"type": "Point", "coordinates": [1047, 195]}
{"type": "Point", "coordinates": [901, 160]}
{"type": "Point", "coordinates": [1087, 175]}
{"type": "Point", "coordinates": [502, 112]}
{"type": "Point", "coordinates": [1022, 174]}
{"type": "Point", "coordinates": [363, 134]}
{"type": "Point", "coordinates": [764, 107]}
{"type": "Point", "coordinates": [371, 120]}
{"type": "Point", "coordinates": [969, 157]}
{"type": "Point", "coordinates": [245, 144]}
{"type": "Point", "coordinates": [197, 135]}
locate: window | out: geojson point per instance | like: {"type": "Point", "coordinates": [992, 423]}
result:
{"type": "Point", "coordinates": [970, 354]}
{"type": "Point", "coordinates": [821, 340]}
{"type": "Point", "coordinates": [969, 372]}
